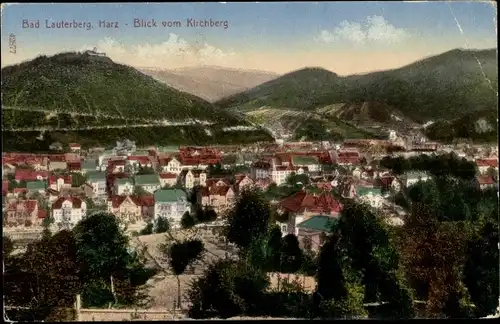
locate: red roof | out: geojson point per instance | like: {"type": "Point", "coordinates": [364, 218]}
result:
{"type": "Point", "coordinates": [30, 175]}
{"type": "Point", "coordinates": [20, 190]}
{"type": "Point", "coordinates": [485, 180]}
{"type": "Point", "coordinates": [74, 145]}
{"type": "Point", "coordinates": [168, 175]}
{"type": "Point", "coordinates": [28, 205]}
{"type": "Point", "coordinates": [77, 202]}
{"type": "Point", "coordinates": [493, 163]}
{"type": "Point", "coordinates": [53, 179]}
{"type": "Point", "coordinates": [57, 157]}
{"type": "Point", "coordinates": [299, 202]}
{"type": "Point", "coordinates": [42, 214]}
{"type": "Point", "coordinates": [141, 201]}
{"type": "Point", "coordinates": [75, 166]}
{"type": "Point", "coordinates": [219, 190]}
{"type": "Point", "coordinates": [140, 159]}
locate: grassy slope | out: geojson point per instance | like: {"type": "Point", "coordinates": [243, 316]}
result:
{"type": "Point", "coordinates": [442, 86]}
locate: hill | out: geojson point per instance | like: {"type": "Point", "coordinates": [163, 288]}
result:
{"type": "Point", "coordinates": [477, 126]}
{"type": "Point", "coordinates": [442, 86]}
{"type": "Point", "coordinates": [210, 82]}
{"type": "Point", "coordinates": [89, 98]}
{"type": "Point", "coordinates": [307, 88]}
{"type": "Point", "coordinates": [372, 113]}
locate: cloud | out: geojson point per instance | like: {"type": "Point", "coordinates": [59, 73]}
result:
{"type": "Point", "coordinates": [375, 29]}
{"type": "Point", "coordinates": [175, 51]}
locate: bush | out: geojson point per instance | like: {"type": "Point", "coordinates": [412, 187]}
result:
{"type": "Point", "coordinates": [162, 225]}
{"type": "Point", "coordinates": [147, 230]}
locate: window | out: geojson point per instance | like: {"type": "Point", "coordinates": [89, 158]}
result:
{"type": "Point", "coordinates": [284, 228]}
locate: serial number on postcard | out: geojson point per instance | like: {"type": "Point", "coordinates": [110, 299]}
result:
{"type": "Point", "coordinates": [12, 44]}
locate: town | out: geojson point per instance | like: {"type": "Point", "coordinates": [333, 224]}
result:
{"type": "Point", "coordinates": [140, 185]}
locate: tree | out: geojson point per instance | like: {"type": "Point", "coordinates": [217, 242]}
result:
{"type": "Point", "coordinates": [77, 179]}
{"type": "Point", "coordinates": [181, 255]}
{"type": "Point", "coordinates": [146, 170]}
{"type": "Point", "coordinates": [147, 230]}
{"type": "Point", "coordinates": [102, 248]}
{"type": "Point", "coordinates": [48, 221]}
{"type": "Point", "coordinates": [226, 289]}
{"type": "Point", "coordinates": [291, 254]}
{"type": "Point", "coordinates": [46, 277]}
{"type": "Point", "coordinates": [187, 220]}
{"type": "Point", "coordinates": [432, 255]}
{"type": "Point", "coordinates": [162, 225]}
{"type": "Point", "coordinates": [248, 219]}
{"type": "Point", "coordinates": [481, 270]}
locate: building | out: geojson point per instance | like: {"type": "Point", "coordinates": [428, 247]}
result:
{"type": "Point", "coordinates": [123, 186]}
{"type": "Point", "coordinates": [303, 205]}
{"type": "Point", "coordinates": [170, 165]}
{"type": "Point", "coordinates": [36, 187]}
{"type": "Point", "coordinates": [314, 231]}
{"type": "Point", "coordinates": [484, 164]}
{"type": "Point", "coordinates": [169, 179]}
{"type": "Point", "coordinates": [218, 197]}
{"type": "Point", "coordinates": [171, 204]}
{"type": "Point", "coordinates": [89, 165]}
{"type": "Point", "coordinates": [126, 208]}
{"type": "Point", "coordinates": [371, 196]}
{"type": "Point", "coordinates": [148, 182]}
{"type": "Point", "coordinates": [192, 178]}
{"type": "Point", "coordinates": [68, 211]}
{"type": "Point", "coordinates": [24, 212]}
{"type": "Point", "coordinates": [97, 179]}
{"type": "Point", "coordinates": [56, 182]}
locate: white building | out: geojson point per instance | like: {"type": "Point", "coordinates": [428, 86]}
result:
{"type": "Point", "coordinates": [123, 186]}
{"type": "Point", "coordinates": [69, 211]}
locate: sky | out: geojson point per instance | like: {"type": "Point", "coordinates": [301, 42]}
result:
{"type": "Point", "coordinates": [344, 37]}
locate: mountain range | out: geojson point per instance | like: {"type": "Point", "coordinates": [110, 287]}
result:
{"type": "Point", "coordinates": [210, 82]}
{"type": "Point", "coordinates": [68, 96]}
{"type": "Point", "coordinates": [439, 87]}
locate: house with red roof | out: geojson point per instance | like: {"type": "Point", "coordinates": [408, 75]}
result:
{"type": "Point", "coordinates": [116, 166]}
{"type": "Point", "coordinates": [74, 147]}
{"type": "Point", "coordinates": [243, 181]}
{"type": "Point", "coordinates": [167, 178]}
{"type": "Point", "coordinates": [302, 205]}
{"type": "Point", "coordinates": [170, 165]}
{"type": "Point", "coordinates": [137, 161]}
{"type": "Point", "coordinates": [485, 181]}
{"type": "Point", "coordinates": [57, 162]}
{"type": "Point", "coordinates": [219, 197]}
{"type": "Point", "coordinates": [57, 182]}
{"type": "Point", "coordinates": [348, 157]}
{"type": "Point", "coordinates": [75, 166]}
{"type": "Point", "coordinates": [30, 175]}
{"type": "Point", "coordinates": [191, 178]}
{"type": "Point", "coordinates": [484, 164]}
{"type": "Point", "coordinates": [126, 208]}
{"type": "Point", "coordinates": [67, 211]}
{"type": "Point", "coordinates": [19, 192]}
{"type": "Point", "coordinates": [21, 213]}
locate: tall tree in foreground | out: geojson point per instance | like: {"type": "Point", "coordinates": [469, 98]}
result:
{"type": "Point", "coordinates": [102, 248]}
{"type": "Point", "coordinates": [45, 278]}
{"type": "Point", "coordinates": [367, 242]}
{"type": "Point", "coordinates": [249, 218]}
{"type": "Point", "coordinates": [181, 255]}
{"type": "Point", "coordinates": [226, 289]}
{"type": "Point", "coordinates": [433, 254]}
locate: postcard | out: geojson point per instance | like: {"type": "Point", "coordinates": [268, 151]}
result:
{"type": "Point", "coordinates": [161, 116]}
